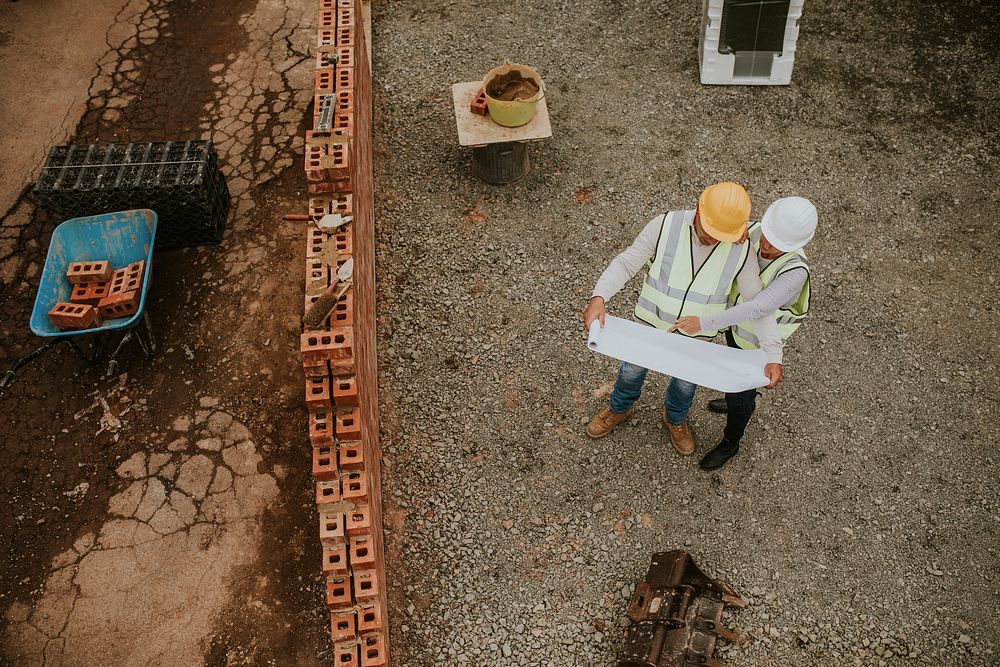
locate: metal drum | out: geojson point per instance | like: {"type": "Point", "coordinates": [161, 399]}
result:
{"type": "Point", "coordinates": [500, 164]}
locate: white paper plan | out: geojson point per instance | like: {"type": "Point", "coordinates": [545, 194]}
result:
{"type": "Point", "coordinates": [706, 364]}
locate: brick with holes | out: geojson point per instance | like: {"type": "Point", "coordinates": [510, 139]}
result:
{"type": "Point", "coordinates": [343, 627]}
{"type": "Point", "coordinates": [354, 486]}
{"type": "Point", "coordinates": [362, 554]}
{"type": "Point", "coordinates": [327, 18]}
{"type": "Point", "coordinates": [327, 493]}
{"type": "Point", "coordinates": [478, 104]}
{"type": "Point", "coordinates": [127, 279]}
{"type": "Point", "coordinates": [373, 650]}
{"type": "Point", "coordinates": [317, 274]}
{"type": "Point", "coordinates": [344, 78]}
{"type": "Point", "coordinates": [338, 593]}
{"type": "Point", "coordinates": [328, 160]}
{"type": "Point", "coordinates": [326, 37]}
{"type": "Point", "coordinates": [325, 81]}
{"type": "Point", "coordinates": [345, 654]}
{"type": "Point", "coordinates": [318, 393]}
{"type": "Point", "coordinates": [324, 463]}
{"type": "Point", "coordinates": [119, 304]}
{"type": "Point", "coordinates": [342, 204]}
{"type": "Point", "coordinates": [370, 617]}
{"type": "Point", "coordinates": [316, 369]}
{"type": "Point", "coordinates": [345, 17]}
{"type": "Point", "coordinates": [351, 455]}
{"type": "Point", "coordinates": [335, 559]}
{"type": "Point", "coordinates": [345, 35]}
{"type": "Point", "coordinates": [88, 293]}
{"type": "Point", "coordinates": [365, 584]}
{"type": "Point", "coordinates": [66, 315]}
{"type": "Point", "coordinates": [321, 427]}
{"type": "Point", "coordinates": [337, 343]}
{"type": "Point", "coordinates": [345, 391]}
{"type": "Point", "coordinates": [348, 425]}
{"type": "Point", "coordinates": [89, 272]}
{"type": "Point", "coordinates": [343, 313]}
{"type": "Point", "coordinates": [358, 521]}
{"type": "Point", "coordinates": [331, 528]}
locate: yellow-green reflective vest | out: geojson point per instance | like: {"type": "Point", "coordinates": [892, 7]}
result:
{"type": "Point", "coordinates": [789, 317]}
{"type": "Point", "coordinates": [673, 287]}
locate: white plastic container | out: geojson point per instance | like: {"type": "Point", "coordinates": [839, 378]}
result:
{"type": "Point", "coordinates": [748, 42]}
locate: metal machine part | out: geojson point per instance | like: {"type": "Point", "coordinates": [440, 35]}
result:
{"type": "Point", "coordinates": [676, 614]}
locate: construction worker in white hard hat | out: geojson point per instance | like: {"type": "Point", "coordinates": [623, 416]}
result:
{"type": "Point", "coordinates": [694, 260]}
{"type": "Point", "coordinates": [776, 242]}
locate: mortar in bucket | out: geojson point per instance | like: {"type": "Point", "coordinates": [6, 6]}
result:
{"type": "Point", "coordinates": [512, 94]}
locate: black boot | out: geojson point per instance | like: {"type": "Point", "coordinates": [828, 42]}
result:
{"type": "Point", "coordinates": [718, 457]}
{"type": "Point", "coordinates": [718, 405]}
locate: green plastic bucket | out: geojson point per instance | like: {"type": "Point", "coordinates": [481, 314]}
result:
{"type": "Point", "coordinates": [513, 113]}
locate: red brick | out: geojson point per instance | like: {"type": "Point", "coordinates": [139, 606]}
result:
{"type": "Point", "coordinates": [351, 455]}
{"type": "Point", "coordinates": [335, 560]}
{"type": "Point", "coordinates": [358, 521]}
{"type": "Point", "coordinates": [318, 393]}
{"type": "Point", "coordinates": [320, 427]}
{"type": "Point", "coordinates": [344, 79]}
{"type": "Point", "coordinates": [317, 273]}
{"type": "Point", "coordinates": [119, 304]}
{"type": "Point", "coordinates": [343, 312]}
{"type": "Point", "coordinates": [369, 617]}
{"type": "Point", "coordinates": [327, 493]}
{"type": "Point", "coordinates": [343, 366]}
{"type": "Point", "coordinates": [346, 655]}
{"type": "Point", "coordinates": [331, 528]}
{"type": "Point", "coordinates": [326, 37]}
{"type": "Point", "coordinates": [344, 240]}
{"type": "Point", "coordinates": [478, 105]}
{"type": "Point", "coordinates": [334, 344]}
{"type": "Point", "coordinates": [342, 626]}
{"type": "Point", "coordinates": [315, 238]}
{"type": "Point", "coordinates": [345, 392]}
{"type": "Point", "coordinates": [316, 369]}
{"type": "Point", "coordinates": [365, 584]}
{"type": "Point", "coordinates": [345, 3]}
{"type": "Point", "coordinates": [325, 79]}
{"type": "Point", "coordinates": [324, 463]}
{"type": "Point", "coordinates": [362, 553]}
{"type": "Point", "coordinates": [348, 425]}
{"type": "Point", "coordinates": [373, 650]}
{"type": "Point", "coordinates": [355, 486]}
{"type": "Point", "coordinates": [344, 101]}
{"type": "Point", "coordinates": [338, 593]}
{"type": "Point", "coordinates": [89, 293]}
{"type": "Point", "coordinates": [343, 121]}
{"type": "Point", "coordinates": [66, 315]}
{"type": "Point", "coordinates": [327, 4]}
{"type": "Point", "coordinates": [127, 279]}
{"type": "Point", "coordinates": [341, 186]}
{"type": "Point", "coordinates": [345, 17]}
{"type": "Point", "coordinates": [327, 17]}
{"type": "Point", "coordinates": [345, 36]}
{"type": "Point", "coordinates": [88, 272]}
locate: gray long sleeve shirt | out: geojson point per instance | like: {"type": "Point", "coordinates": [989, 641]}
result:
{"type": "Point", "coordinates": [781, 293]}
{"type": "Point", "coordinates": [632, 260]}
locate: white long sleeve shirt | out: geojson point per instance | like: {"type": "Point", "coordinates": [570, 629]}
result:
{"type": "Point", "coordinates": [634, 258]}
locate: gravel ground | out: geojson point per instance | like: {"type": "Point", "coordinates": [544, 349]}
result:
{"type": "Point", "coordinates": [861, 518]}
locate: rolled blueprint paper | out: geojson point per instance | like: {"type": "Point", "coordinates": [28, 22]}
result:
{"type": "Point", "coordinates": [704, 363]}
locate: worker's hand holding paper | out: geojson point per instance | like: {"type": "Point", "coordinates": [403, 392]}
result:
{"type": "Point", "coordinates": [706, 364]}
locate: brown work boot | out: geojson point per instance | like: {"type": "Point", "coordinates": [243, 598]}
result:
{"type": "Point", "coordinates": [681, 436]}
{"type": "Point", "coordinates": [605, 420]}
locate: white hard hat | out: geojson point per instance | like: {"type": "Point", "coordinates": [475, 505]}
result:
{"type": "Point", "coordinates": [789, 223]}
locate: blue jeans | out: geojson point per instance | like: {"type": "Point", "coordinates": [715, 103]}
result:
{"type": "Point", "coordinates": [628, 388]}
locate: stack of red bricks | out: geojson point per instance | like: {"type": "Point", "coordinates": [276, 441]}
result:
{"type": "Point", "coordinates": [99, 293]}
{"type": "Point", "coordinates": [343, 464]}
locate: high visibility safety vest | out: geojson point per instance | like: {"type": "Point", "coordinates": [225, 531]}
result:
{"type": "Point", "coordinates": [673, 287]}
{"type": "Point", "coordinates": [789, 317]}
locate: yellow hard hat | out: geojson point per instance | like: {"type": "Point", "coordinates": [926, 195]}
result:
{"type": "Point", "coordinates": [724, 209]}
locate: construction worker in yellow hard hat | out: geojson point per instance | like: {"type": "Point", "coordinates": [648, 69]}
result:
{"type": "Point", "coordinates": [693, 259]}
{"type": "Point", "coordinates": [776, 246]}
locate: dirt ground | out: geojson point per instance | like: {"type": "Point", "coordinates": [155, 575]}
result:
{"type": "Point", "coordinates": [166, 516]}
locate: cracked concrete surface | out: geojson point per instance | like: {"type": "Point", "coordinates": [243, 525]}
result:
{"type": "Point", "coordinates": [146, 587]}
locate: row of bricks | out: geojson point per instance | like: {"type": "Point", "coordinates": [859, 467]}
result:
{"type": "Point", "coordinates": [343, 592]}
{"type": "Point", "coordinates": [331, 79]}
{"type": "Point", "coordinates": [335, 56]}
{"type": "Point", "coordinates": [345, 426]}
{"type": "Point", "coordinates": [341, 316]}
{"type": "Point", "coordinates": [372, 651]}
{"type": "Point", "coordinates": [333, 17]}
{"type": "Point", "coordinates": [336, 465]}
{"type": "Point", "coordinates": [348, 625]}
{"type": "Point", "coordinates": [336, 27]}
{"type": "Point", "coordinates": [333, 4]}
{"type": "Point", "coordinates": [342, 391]}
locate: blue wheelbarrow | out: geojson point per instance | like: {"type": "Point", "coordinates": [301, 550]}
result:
{"type": "Point", "coordinates": [120, 238]}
